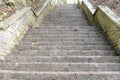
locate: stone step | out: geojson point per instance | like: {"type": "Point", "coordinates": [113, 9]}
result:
{"type": "Point", "coordinates": [62, 39]}
{"type": "Point", "coordinates": [77, 30]}
{"type": "Point", "coordinates": [61, 44]}
{"type": "Point", "coordinates": [66, 35]}
{"type": "Point", "coordinates": [64, 59]}
{"type": "Point", "coordinates": [51, 43]}
{"type": "Point", "coordinates": [64, 32]}
{"type": "Point", "coordinates": [64, 53]}
{"type": "Point", "coordinates": [87, 42]}
{"type": "Point", "coordinates": [65, 23]}
{"type": "Point", "coordinates": [66, 67]}
{"type": "Point", "coordinates": [81, 75]}
{"type": "Point", "coordinates": [68, 26]}
{"type": "Point", "coordinates": [64, 28]}
{"type": "Point", "coordinates": [73, 18]}
{"type": "Point", "coordinates": [63, 36]}
{"type": "Point", "coordinates": [58, 47]}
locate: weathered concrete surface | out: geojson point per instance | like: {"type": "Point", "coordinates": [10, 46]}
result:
{"type": "Point", "coordinates": [88, 9]}
{"type": "Point", "coordinates": [110, 23]}
{"type": "Point", "coordinates": [14, 28]}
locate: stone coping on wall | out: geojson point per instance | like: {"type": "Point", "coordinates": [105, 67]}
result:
{"type": "Point", "coordinates": [110, 14]}
{"type": "Point", "coordinates": [42, 8]}
{"type": "Point", "coordinates": [11, 20]}
{"type": "Point", "coordinates": [43, 11]}
{"type": "Point", "coordinates": [89, 6]}
{"type": "Point", "coordinates": [88, 9]}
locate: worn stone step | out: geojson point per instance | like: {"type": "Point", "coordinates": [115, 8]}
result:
{"type": "Point", "coordinates": [64, 59]}
{"type": "Point", "coordinates": [37, 66]}
{"type": "Point", "coordinates": [64, 31]}
{"type": "Point", "coordinates": [62, 39]}
{"type": "Point", "coordinates": [57, 43]}
{"type": "Point", "coordinates": [69, 31]}
{"type": "Point", "coordinates": [63, 47]}
{"type": "Point", "coordinates": [84, 28]}
{"type": "Point", "coordinates": [54, 29]}
{"type": "Point", "coordinates": [60, 36]}
{"type": "Point", "coordinates": [63, 36]}
{"type": "Point", "coordinates": [68, 26]}
{"type": "Point", "coordinates": [51, 43]}
{"type": "Point", "coordinates": [73, 18]}
{"type": "Point", "coordinates": [81, 75]}
{"type": "Point", "coordinates": [61, 44]}
{"type": "Point", "coordinates": [66, 35]}
{"type": "Point", "coordinates": [57, 47]}
{"type": "Point", "coordinates": [63, 53]}
{"type": "Point", "coordinates": [65, 23]}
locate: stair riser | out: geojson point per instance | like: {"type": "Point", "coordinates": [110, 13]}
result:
{"type": "Point", "coordinates": [61, 48]}
{"type": "Point", "coordinates": [64, 43]}
{"type": "Point", "coordinates": [60, 67]}
{"type": "Point", "coordinates": [64, 53]}
{"type": "Point", "coordinates": [20, 76]}
{"type": "Point", "coordinates": [62, 59]}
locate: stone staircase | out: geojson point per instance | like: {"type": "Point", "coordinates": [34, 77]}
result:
{"type": "Point", "coordinates": [64, 47]}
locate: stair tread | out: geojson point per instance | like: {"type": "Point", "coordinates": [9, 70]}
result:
{"type": "Point", "coordinates": [60, 66]}
{"type": "Point", "coordinates": [81, 75]}
{"type": "Point", "coordinates": [61, 59]}
{"type": "Point", "coordinates": [64, 53]}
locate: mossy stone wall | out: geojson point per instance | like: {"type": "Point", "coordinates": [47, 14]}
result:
{"type": "Point", "coordinates": [110, 24]}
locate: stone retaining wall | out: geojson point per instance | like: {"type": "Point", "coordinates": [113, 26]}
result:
{"type": "Point", "coordinates": [42, 12]}
{"type": "Point", "coordinates": [88, 9]}
{"type": "Point", "coordinates": [106, 19]}
{"type": "Point", "coordinates": [110, 24]}
{"type": "Point", "coordinates": [14, 28]}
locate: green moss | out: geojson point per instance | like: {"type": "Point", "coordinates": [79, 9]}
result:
{"type": "Point", "coordinates": [1, 30]}
{"type": "Point", "coordinates": [4, 14]}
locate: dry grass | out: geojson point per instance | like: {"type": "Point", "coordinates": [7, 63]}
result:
{"type": "Point", "coordinates": [6, 12]}
{"type": "Point", "coordinates": [114, 5]}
